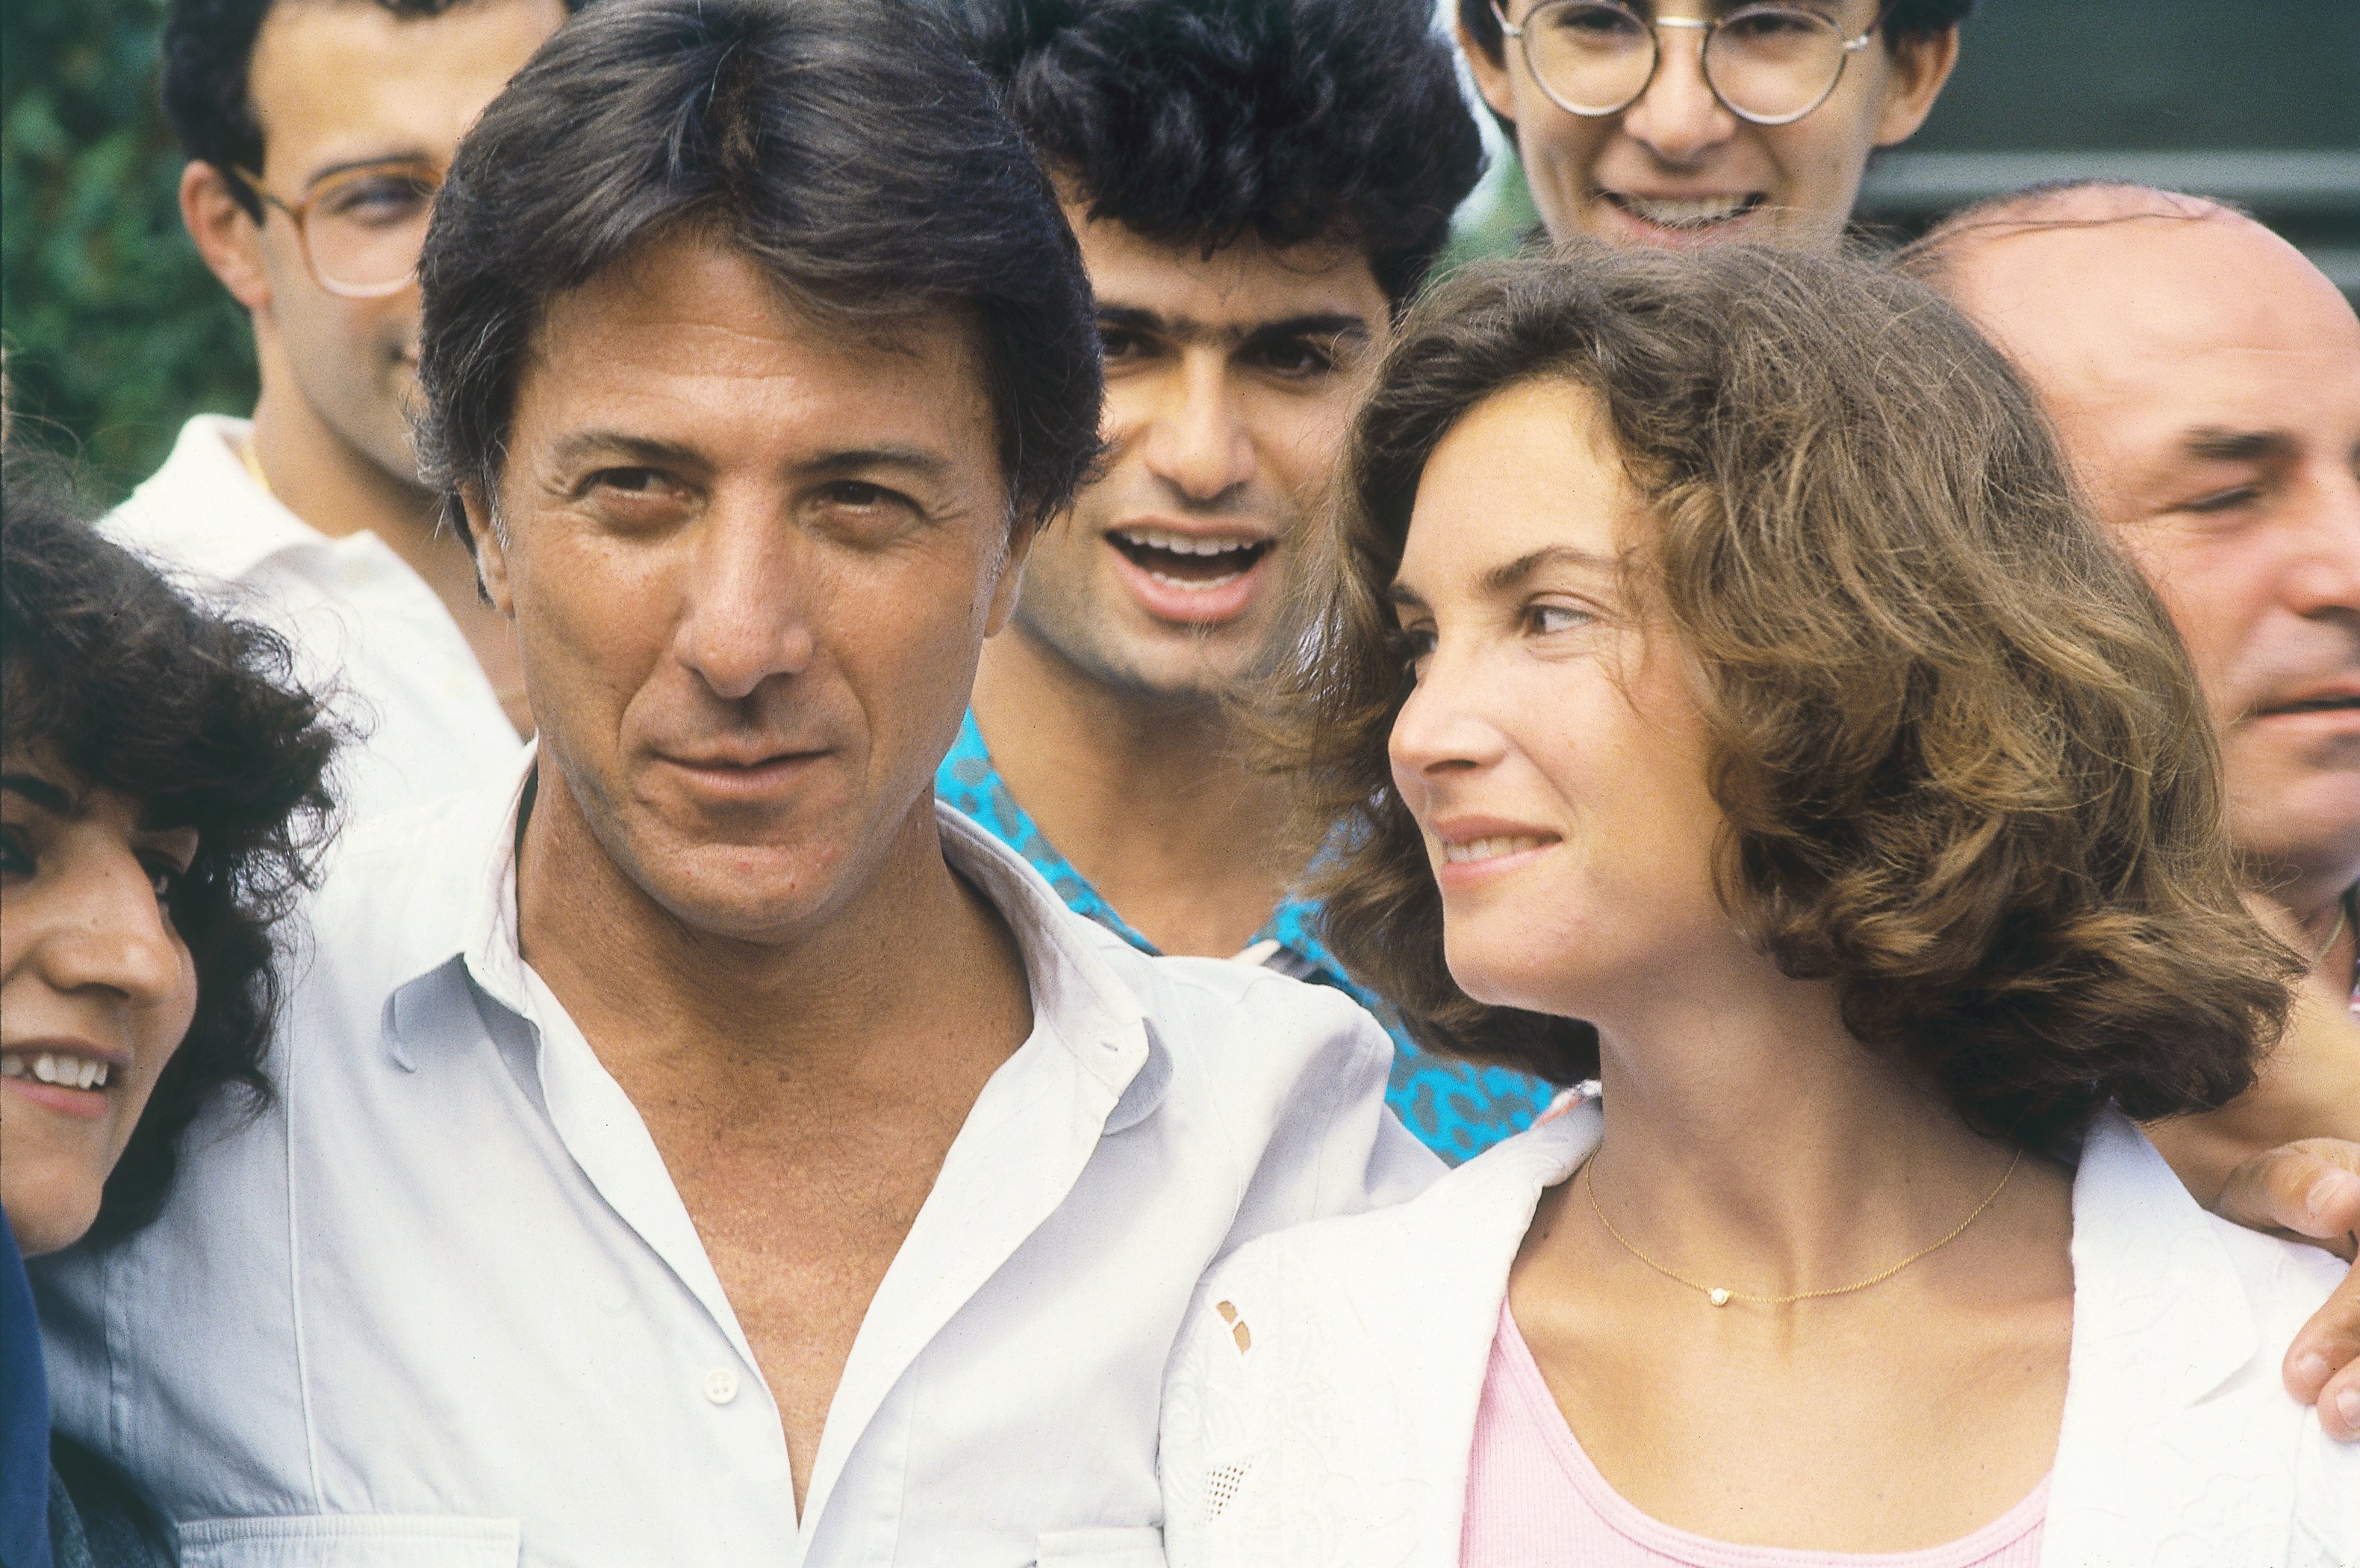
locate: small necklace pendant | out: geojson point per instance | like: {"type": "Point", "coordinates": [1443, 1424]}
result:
{"type": "Point", "coordinates": [1718, 1295]}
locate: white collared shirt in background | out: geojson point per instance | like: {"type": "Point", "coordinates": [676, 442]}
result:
{"type": "Point", "coordinates": [361, 621]}
{"type": "Point", "coordinates": [442, 1304]}
{"type": "Point", "coordinates": [1321, 1406]}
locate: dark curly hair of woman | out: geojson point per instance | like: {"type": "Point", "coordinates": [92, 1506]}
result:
{"type": "Point", "coordinates": [108, 673]}
{"type": "Point", "coordinates": [1963, 764]}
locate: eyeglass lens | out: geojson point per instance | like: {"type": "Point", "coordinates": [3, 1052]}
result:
{"type": "Point", "coordinates": [1769, 64]}
{"type": "Point", "coordinates": [364, 230]}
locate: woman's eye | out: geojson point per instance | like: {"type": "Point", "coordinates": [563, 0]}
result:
{"type": "Point", "coordinates": [15, 855]}
{"type": "Point", "coordinates": [1413, 646]}
{"type": "Point", "coordinates": [163, 878]}
{"type": "Point", "coordinates": [1546, 619]}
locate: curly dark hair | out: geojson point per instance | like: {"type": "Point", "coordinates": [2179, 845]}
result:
{"type": "Point", "coordinates": [1202, 121]}
{"type": "Point", "coordinates": [208, 61]}
{"type": "Point", "coordinates": [132, 688]}
{"type": "Point", "coordinates": [1964, 768]}
{"type": "Point", "coordinates": [1899, 19]}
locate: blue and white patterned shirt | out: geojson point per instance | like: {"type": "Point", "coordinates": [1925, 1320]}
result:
{"type": "Point", "coordinates": [1456, 1109]}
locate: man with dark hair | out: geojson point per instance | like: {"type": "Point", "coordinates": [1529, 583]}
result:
{"type": "Point", "coordinates": [701, 1148]}
{"type": "Point", "coordinates": [1257, 187]}
{"type": "Point", "coordinates": [1688, 121]}
{"type": "Point", "coordinates": [316, 133]}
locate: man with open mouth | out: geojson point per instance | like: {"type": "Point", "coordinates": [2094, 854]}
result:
{"type": "Point", "coordinates": [1692, 122]}
{"type": "Point", "coordinates": [1257, 189]}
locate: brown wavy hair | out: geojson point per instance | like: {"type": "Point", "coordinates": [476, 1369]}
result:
{"type": "Point", "coordinates": [1966, 773]}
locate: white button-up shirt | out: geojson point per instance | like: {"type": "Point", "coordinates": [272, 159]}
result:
{"type": "Point", "coordinates": [441, 1304]}
{"type": "Point", "coordinates": [364, 627]}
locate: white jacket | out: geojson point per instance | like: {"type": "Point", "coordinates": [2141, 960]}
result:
{"type": "Point", "coordinates": [1341, 1435]}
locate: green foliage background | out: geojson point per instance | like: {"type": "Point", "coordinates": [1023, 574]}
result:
{"type": "Point", "coordinates": [115, 332]}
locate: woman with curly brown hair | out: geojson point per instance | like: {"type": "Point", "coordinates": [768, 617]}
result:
{"type": "Point", "coordinates": [160, 803]}
{"type": "Point", "coordinates": [1728, 699]}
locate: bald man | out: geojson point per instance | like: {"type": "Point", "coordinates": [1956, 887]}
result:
{"type": "Point", "coordinates": [2204, 379]}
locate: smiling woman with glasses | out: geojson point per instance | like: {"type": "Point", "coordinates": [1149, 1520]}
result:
{"type": "Point", "coordinates": [1687, 122]}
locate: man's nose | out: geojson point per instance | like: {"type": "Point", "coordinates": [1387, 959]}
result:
{"type": "Point", "coordinates": [1677, 118]}
{"type": "Point", "coordinates": [1198, 442]}
{"type": "Point", "coordinates": [748, 594]}
{"type": "Point", "coordinates": [112, 934]}
{"type": "Point", "coordinates": [2327, 577]}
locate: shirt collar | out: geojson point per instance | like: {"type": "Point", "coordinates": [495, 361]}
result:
{"type": "Point", "coordinates": [202, 510]}
{"type": "Point", "coordinates": [1090, 1010]}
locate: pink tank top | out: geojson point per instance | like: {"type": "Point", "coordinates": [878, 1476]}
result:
{"type": "Point", "coordinates": [1535, 1500]}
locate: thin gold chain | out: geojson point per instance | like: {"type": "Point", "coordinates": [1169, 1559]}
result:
{"type": "Point", "coordinates": [1720, 1296]}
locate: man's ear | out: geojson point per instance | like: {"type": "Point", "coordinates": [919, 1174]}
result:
{"type": "Point", "coordinates": [491, 553]}
{"type": "Point", "coordinates": [1491, 79]}
{"type": "Point", "coordinates": [1922, 63]}
{"type": "Point", "coordinates": [226, 234]}
{"type": "Point", "coordinates": [1010, 585]}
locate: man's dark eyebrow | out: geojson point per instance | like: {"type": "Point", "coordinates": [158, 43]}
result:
{"type": "Point", "coordinates": [1313, 323]}
{"type": "Point", "coordinates": [1500, 578]}
{"type": "Point", "coordinates": [853, 460]}
{"type": "Point", "coordinates": [42, 793]}
{"type": "Point", "coordinates": [380, 160]}
{"type": "Point", "coordinates": [583, 445]}
{"type": "Point", "coordinates": [2218, 446]}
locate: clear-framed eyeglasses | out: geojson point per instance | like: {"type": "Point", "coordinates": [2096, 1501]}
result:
{"type": "Point", "coordinates": [361, 229]}
{"type": "Point", "coordinates": [1768, 63]}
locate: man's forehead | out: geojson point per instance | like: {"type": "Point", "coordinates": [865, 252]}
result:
{"type": "Point", "coordinates": [2159, 308]}
{"type": "Point", "coordinates": [338, 81]}
{"type": "Point", "coordinates": [1242, 286]}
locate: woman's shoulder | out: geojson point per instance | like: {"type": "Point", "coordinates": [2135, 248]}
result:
{"type": "Point", "coordinates": [1473, 1216]}
{"type": "Point", "coordinates": [97, 1518]}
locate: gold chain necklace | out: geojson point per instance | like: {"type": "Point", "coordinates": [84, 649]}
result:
{"type": "Point", "coordinates": [1722, 1296]}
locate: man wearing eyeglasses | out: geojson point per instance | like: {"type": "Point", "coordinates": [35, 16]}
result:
{"type": "Point", "coordinates": [317, 135]}
{"type": "Point", "coordinates": [1687, 122]}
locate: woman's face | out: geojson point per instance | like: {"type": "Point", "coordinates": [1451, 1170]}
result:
{"type": "Point", "coordinates": [96, 989]}
{"type": "Point", "coordinates": [1550, 751]}
{"type": "Point", "coordinates": [1677, 168]}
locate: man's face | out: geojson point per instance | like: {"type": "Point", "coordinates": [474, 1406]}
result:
{"type": "Point", "coordinates": [1677, 168]}
{"type": "Point", "coordinates": [751, 563]}
{"type": "Point", "coordinates": [337, 83]}
{"type": "Point", "coordinates": [2206, 379]}
{"type": "Point", "coordinates": [1230, 381]}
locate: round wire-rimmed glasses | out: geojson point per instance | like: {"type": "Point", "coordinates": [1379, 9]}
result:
{"type": "Point", "coordinates": [361, 229]}
{"type": "Point", "coordinates": [1769, 64]}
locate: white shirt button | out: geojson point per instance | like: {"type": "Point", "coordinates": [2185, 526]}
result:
{"type": "Point", "coordinates": [721, 1385]}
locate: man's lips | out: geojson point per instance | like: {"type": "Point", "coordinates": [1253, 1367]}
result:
{"type": "Point", "coordinates": [743, 774]}
{"type": "Point", "coordinates": [1671, 218]}
{"type": "Point", "coordinates": [2331, 699]}
{"type": "Point", "coordinates": [1190, 575]}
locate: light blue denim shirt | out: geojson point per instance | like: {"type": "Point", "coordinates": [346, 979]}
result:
{"type": "Point", "coordinates": [1456, 1109]}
